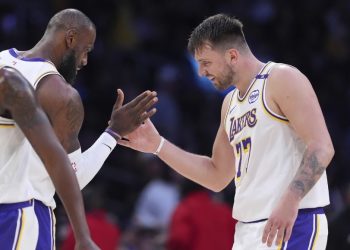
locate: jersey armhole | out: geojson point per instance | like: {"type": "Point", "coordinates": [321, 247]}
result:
{"type": "Point", "coordinates": [35, 85]}
{"type": "Point", "coordinates": [267, 110]}
{"type": "Point", "coordinates": [228, 106]}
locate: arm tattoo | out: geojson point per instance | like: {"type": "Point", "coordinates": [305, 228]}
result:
{"type": "Point", "coordinates": [18, 98]}
{"type": "Point", "coordinates": [74, 114]}
{"type": "Point", "coordinates": [72, 119]}
{"type": "Point", "coordinates": [308, 174]}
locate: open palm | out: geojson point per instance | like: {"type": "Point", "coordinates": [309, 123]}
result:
{"type": "Point", "coordinates": [144, 139]}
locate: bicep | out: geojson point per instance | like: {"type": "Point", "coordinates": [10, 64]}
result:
{"type": "Point", "coordinates": [223, 154]}
{"type": "Point", "coordinates": [64, 108]}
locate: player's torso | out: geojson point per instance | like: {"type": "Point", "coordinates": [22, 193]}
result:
{"type": "Point", "coordinates": [20, 166]}
{"type": "Point", "coordinates": [267, 150]}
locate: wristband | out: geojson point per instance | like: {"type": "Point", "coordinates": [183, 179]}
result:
{"type": "Point", "coordinates": [161, 144]}
{"type": "Point", "coordinates": [112, 133]}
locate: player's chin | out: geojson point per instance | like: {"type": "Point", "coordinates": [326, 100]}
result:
{"type": "Point", "coordinates": [219, 86]}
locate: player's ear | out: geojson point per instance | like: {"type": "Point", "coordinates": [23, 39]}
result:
{"type": "Point", "coordinates": [71, 38]}
{"type": "Point", "coordinates": [231, 56]}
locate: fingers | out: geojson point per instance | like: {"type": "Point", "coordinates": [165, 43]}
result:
{"type": "Point", "coordinates": [266, 232]}
{"type": "Point", "coordinates": [288, 233]}
{"type": "Point", "coordinates": [147, 102]}
{"type": "Point", "coordinates": [148, 95]}
{"type": "Point", "coordinates": [120, 99]}
{"type": "Point", "coordinates": [270, 231]}
{"type": "Point", "coordinates": [280, 235]}
{"type": "Point", "coordinates": [146, 115]}
{"type": "Point", "coordinates": [144, 106]}
{"type": "Point", "coordinates": [272, 235]}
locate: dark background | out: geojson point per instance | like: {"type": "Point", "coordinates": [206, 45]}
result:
{"type": "Point", "coordinates": [142, 45]}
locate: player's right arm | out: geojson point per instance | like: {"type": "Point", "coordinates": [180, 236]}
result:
{"type": "Point", "coordinates": [63, 105]}
{"type": "Point", "coordinates": [214, 172]}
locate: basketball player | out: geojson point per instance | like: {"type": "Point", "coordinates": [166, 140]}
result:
{"type": "Point", "coordinates": [19, 228]}
{"type": "Point", "coordinates": [50, 67]}
{"type": "Point", "coordinates": [272, 140]}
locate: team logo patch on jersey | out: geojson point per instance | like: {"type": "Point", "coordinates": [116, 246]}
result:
{"type": "Point", "coordinates": [238, 124]}
{"type": "Point", "coordinates": [253, 96]}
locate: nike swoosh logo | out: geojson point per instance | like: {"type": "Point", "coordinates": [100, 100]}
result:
{"type": "Point", "coordinates": [107, 146]}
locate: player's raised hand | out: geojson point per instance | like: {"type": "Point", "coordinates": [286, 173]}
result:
{"type": "Point", "coordinates": [281, 222]}
{"type": "Point", "coordinates": [144, 139]}
{"type": "Point", "coordinates": [126, 118]}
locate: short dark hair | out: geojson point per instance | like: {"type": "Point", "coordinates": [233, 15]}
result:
{"type": "Point", "coordinates": [70, 18]}
{"type": "Point", "coordinates": [219, 31]}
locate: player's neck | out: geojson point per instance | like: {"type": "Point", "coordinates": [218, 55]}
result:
{"type": "Point", "coordinates": [250, 69]}
{"type": "Point", "coordinates": [45, 49]}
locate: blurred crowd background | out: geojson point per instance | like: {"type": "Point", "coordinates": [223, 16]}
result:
{"type": "Point", "coordinates": [136, 202]}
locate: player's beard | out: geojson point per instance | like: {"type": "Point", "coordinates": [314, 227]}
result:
{"type": "Point", "coordinates": [225, 80]}
{"type": "Point", "coordinates": [68, 68]}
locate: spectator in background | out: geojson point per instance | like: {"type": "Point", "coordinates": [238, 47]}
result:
{"type": "Point", "coordinates": [154, 207]}
{"type": "Point", "coordinates": [159, 197]}
{"type": "Point", "coordinates": [200, 222]}
{"type": "Point", "coordinates": [104, 231]}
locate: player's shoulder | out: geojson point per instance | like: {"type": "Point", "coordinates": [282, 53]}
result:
{"type": "Point", "coordinates": [54, 89]}
{"type": "Point", "coordinates": [284, 71]}
{"type": "Point", "coordinates": [55, 83]}
{"type": "Point", "coordinates": [286, 79]}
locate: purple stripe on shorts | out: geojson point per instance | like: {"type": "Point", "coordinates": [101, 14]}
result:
{"type": "Point", "coordinates": [8, 225]}
{"type": "Point", "coordinates": [42, 213]}
{"type": "Point", "coordinates": [303, 231]}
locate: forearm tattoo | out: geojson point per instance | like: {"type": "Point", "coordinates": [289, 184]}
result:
{"type": "Point", "coordinates": [308, 174]}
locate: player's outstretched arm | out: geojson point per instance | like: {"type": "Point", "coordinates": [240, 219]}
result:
{"type": "Point", "coordinates": [290, 93]}
{"type": "Point", "coordinates": [17, 97]}
{"type": "Point", "coordinates": [62, 103]}
{"type": "Point", "coordinates": [214, 172]}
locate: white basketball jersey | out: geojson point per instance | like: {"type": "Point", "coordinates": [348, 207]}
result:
{"type": "Point", "coordinates": [22, 173]}
{"type": "Point", "coordinates": [268, 154]}
{"type": "Point", "coordinates": [14, 154]}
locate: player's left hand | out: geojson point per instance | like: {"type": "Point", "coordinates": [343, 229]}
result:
{"type": "Point", "coordinates": [281, 221]}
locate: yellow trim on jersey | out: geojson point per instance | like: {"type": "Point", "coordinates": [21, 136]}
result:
{"type": "Point", "coordinates": [317, 232]}
{"type": "Point", "coordinates": [228, 108]}
{"type": "Point", "coordinates": [266, 108]}
{"type": "Point", "coordinates": [45, 74]}
{"type": "Point", "coordinates": [280, 245]}
{"type": "Point", "coordinates": [251, 84]}
{"type": "Point", "coordinates": [7, 125]}
{"type": "Point", "coordinates": [20, 235]}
